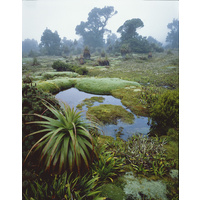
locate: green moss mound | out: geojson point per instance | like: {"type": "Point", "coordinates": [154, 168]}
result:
{"type": "Point", "coordinates": [90, 102]}
{"type": "Point", "coordinates": [56, 85]}
{"type": "Point", "coordinates": [113, 192]}
{"type": "Point", "coordinates": [102, 85]}
{"type": "Point", "coordinates": [129, 99]}
{"type": "Point", "coordinates": [109, 114]}
{"type": "Point", "coordinates": [90, 85]}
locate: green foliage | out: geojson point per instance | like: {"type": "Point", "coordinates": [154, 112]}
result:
{"type": "Point", "coordinates": [65, 142]}
{"type": "Point", "coordinates": [50, 42]}
{"type": "Point", "coordinates": [81, 70]}
{"type": "Point", "coordinates": [86, 53]}
{"type": "Point", "coordinates": [128, 29]}
{"type": "Point", "coordinates": [29, 47]}
{"type": "Point", "coordinates": [32, 103]}
{"type": "Point", "coordinates": [27, 79]}
{"type": "Point", "coordinates": [147, 155]}
{"type": "Point", "coordinates": [165, 112]}
{"type": "Point", "coordinates": [108, 165]}
{"type": "Point", "coordinates": [103, 62]}
{"type": "Point", "coordinates": [69, 187]}
{"type": "Point", "coordinates": [173, 35]}
{"type": "Point", "coordinates": [93, 30]}
{"type": "Point", "coordinates": [51, 75]}
{"type": "Point", "coordinates": [35, 61]}
{"type": "Point", "coordinates": [125, 48]}
{"type": "Point", "coordinates": [61, 66]}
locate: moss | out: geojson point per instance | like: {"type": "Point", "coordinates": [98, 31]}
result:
{"type": "Point", "coordinates": [48, 87]}
{"type": "Point", "coordinates": [90, 102]}
{"type": "Point", "coordinates": [113, 192]}
{"type": "Point", "coordinates": [130, 99]}
{"type": "Point", "coordinates": [102, 85]}
{"type": "Point", "coordinates": [109, 114]}
{"type": "Point", "coordinates": [90, 85]}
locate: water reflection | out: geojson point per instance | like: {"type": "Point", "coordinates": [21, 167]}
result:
{"type": "Point", "coordinates": [73, 97]}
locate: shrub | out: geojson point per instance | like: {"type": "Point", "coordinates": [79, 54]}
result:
{"type": "Point", "coordinates": [165, 112]}
{"type": "Point", "coordinates": [35, 62]}
{"type": "Point", "coordinates": [86, 53]}
{"type": "Point", "coordinates": [61, 66]}
{"type": "Point", "coordinates": [32, 103]}
{"type": "Point", "coordinates": [103, 62]}
{"type": "Point", "coordinates": [65, 142]}
{"type": "Point", "coordinates": [147, 155]}
{"type": "Point", "coordinates": [81, 70]}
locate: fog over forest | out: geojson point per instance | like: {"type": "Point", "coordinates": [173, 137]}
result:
{"type": "Point", "coordinates": [63, 16]}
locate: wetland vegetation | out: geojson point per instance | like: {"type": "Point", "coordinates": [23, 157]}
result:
{"type": "Point", "coordinates": [77, 160]}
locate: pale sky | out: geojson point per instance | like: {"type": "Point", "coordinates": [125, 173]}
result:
{"type": "Point", "coordinates": [64, 15]}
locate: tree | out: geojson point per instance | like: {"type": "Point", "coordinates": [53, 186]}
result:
{"type": "Point", "coordinates": [173, 35]}
{"type": "Point", "coordinates": [129, 28]}
{"type": "Point", "coordinates": [30, 47]}
{"type": "Point", "coordinates": [130, 37]}
{"type": "Point", "coordinates": [50, 42]}
{"type": "Point", "coordinates": [93, 30]}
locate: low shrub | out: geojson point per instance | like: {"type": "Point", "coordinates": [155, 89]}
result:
{"type": "Point", "coordinates": [147, 155]}
{"type": "Point", "coordinates": [61, 66]}
{"type": "Point", "coordinates": [103, 62]}
{"type": "Point", "coordinates": [165, 112]}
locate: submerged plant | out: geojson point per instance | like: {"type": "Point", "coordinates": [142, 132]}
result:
{"type": "Point", "coordinates": [65, 142]}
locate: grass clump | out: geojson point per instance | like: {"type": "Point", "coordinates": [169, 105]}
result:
{"type": "Point", "coordinates": [102, 85]}
{"type": "Point", "coordinates": [109, 114]}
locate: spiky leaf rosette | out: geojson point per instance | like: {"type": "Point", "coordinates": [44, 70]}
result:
{"type": "Point", "coordinates": [65, 142]}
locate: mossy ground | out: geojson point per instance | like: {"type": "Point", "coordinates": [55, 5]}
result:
{"type": "Point", "coordinates": [109, 114]}
{"type": "Point", "coordinates": [121, 80]}
{"type": "Point", "coordinates": [129, 98]}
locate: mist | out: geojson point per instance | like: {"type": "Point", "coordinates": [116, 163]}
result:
{"type": "Point", "coordinates": [63, 16]}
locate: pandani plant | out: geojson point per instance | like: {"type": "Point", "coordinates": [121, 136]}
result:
{"type": "Point", "coordinates": [65, 143]}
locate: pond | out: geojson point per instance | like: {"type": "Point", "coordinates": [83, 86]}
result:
{"type": "Point", "coordinates": [74, 97]}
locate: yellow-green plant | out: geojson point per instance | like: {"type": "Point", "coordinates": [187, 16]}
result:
{"type": "Point", "coordinates": [65, 142]}
{"type": "Point", "coordinates": [108, 165]}
{"type": "Point", "coordinates": [68, 187]}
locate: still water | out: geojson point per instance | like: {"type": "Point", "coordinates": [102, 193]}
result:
{"type": "Point", "coordinates": [73, 97]}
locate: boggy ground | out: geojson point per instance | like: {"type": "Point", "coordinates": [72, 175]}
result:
{"type": "Point", "coordinates": [131, 79]}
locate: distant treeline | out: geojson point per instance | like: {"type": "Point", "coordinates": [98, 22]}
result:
{"type": "Point", "coordinates": [93, 33]}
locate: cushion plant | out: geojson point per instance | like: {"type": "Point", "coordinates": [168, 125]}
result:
{"type": "Point", "coordinates": [65, 142]}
